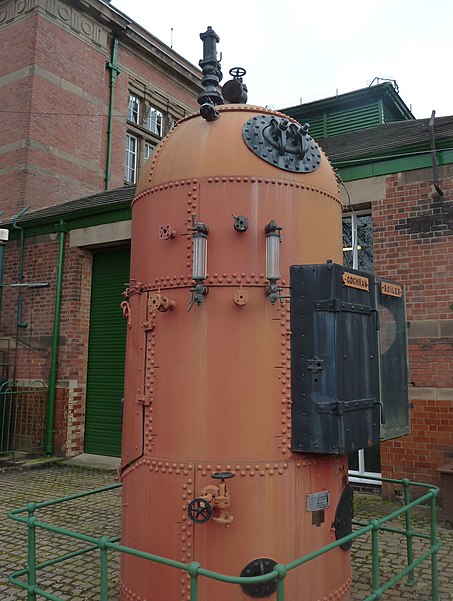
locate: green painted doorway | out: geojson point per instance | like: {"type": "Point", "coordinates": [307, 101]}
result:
{"type": "Point", "coordinates": [106, 352]}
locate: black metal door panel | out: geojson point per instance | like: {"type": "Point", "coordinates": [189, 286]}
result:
{"type": "Point", "coordinates": [393, 359]}
{"type": "Point", "coordinates": [334, 359]}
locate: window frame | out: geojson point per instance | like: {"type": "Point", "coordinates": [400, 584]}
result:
{"type": "Point", "coordinates": [150, 115]}
{"type": "Point", "coordinates": [355, 475]}
{"type": "Point", "coordinates": [131, 170]}
{"type": "Point", "coordinates": [133, 99]}
{"type": "Point", "coordinates": [155, 121]}
{"type": "Point", "coordinates": [363, 247]}
{"type": "Point", "coordinates": [148, 145]}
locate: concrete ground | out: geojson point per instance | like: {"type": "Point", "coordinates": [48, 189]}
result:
{"type": "Point", "coordinates": [78, 580]}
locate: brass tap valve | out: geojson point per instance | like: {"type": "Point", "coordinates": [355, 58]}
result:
{"type": "Point", "coordinates": [213, 502]}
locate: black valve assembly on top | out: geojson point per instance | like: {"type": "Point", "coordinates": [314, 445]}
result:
{"type": "Point", "coordinates": [234, 90]}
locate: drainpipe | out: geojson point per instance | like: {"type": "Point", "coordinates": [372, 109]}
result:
{"type": "Point", "coordinates": [114, 71]}
{"type": "Point", "coordinates": [4, 236]}
{"type": "Point", "coordinates": [432, 140]}
{"type": "Point", "coordinates": [56, 331]}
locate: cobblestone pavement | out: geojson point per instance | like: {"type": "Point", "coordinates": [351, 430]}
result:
{"type": "Point", "coordinates": [78, 580]}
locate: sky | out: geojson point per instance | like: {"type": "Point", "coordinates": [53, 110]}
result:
{"type": "Point", "coordinates": [298, 51]}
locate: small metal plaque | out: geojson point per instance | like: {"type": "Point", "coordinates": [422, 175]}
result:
{"type": "Point", "coordinates": [356, 281]}
{"type": "Point", "coordinates": [318, 500]}
{"type": "Point", "coordinates": [391, 289]}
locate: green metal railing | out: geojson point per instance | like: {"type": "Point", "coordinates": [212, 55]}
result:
{"type": "Point", "coordinates": [195, 570]}
{"type": "Point", "coordinates": [22, 416]}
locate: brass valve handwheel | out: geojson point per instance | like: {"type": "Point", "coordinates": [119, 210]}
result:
{"type": "Point", "coordinates": [199, 511]}
{"type": "Point", "coordinates": [222, 475]}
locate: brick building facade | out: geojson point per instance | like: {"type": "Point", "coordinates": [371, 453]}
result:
{"type": "Point", "coordinates": [28, 350]}
{"type": "Point", "coordinates": [412, 226]}
{"type": "Point", "coordinates": [413, 243]}
{"type": "Point", "coordinates": [387, 170]}
{"type": "Point", "coordinates": [68, 73]}
{"type": "Point", "coordinates": [86, 94]}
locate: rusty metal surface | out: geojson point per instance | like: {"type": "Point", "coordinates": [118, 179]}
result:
{"type": "Point", "coordinates": [211, 386]}
{"type": "Point", "coordinates": [196, 148]}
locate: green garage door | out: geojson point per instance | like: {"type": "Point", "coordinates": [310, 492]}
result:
{"type": "Point", "coordinates": [106, 352]}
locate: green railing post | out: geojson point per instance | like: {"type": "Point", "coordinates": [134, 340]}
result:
{"type": "Point", "coordinates": [435, 546]}
{"type": "Point", "coordinates": [102, 543]}
{"type": "Point", "coordinates": [26, 578]}
{"type": "Point", "coordinates": [375, 557]}
{"type": "Point", "coordinates": [411, 579]}
{"type": "Point", "coordinates": [192, 570]}
{"type": "Point", "coordinates": [282, 571]}
{"type": "Point", "coordinates": [31, 539]}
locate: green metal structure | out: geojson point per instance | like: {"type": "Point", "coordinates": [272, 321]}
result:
{"type": "Point", "coordinates": [103, 545]}
{"type": "Point", "coordinates": [371, 132]}
{"type": "Point", "coordinates": [106, 352]}
{"type": "Point", "coordinates": [56, 330]}
{"type": "Point", "coordinates": [352, 111]}
{"type": "Point", "coordinates": [114, 72]}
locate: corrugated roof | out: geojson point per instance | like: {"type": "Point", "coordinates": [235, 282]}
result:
{"type": "Point", "coordinates": [96, 203]}
{"type": "Point", "coordinates": [387, 138]}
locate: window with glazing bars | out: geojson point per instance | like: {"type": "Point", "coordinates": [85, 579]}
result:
{"type": "Point", "coordinates": [155, 121]}
{"type": "Point", "coordinates": [133, 109]}
{"type": "Point", "coordinates": [148, 150]}
{"type": "Point", "coordinates": [131, 159]}
{"type": "Point", "coordinates": [364, 242]}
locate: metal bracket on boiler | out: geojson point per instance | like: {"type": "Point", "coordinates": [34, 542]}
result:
{"type": "Point", "coordinates": [144, 399]}
{"type": "Point", "coordinates": [341, 407]}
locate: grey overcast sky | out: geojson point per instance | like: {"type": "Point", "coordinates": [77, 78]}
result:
{"type": "Point", "coordinates": [298, 50]}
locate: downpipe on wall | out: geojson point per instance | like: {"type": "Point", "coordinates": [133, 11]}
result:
{"type": "Point", "coordinates": [61, 229]}
{"type": "Point", "coordinates": [114, 71]}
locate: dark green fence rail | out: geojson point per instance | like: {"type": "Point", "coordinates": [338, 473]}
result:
{"type": "Point", "coordinates": [27, 578]}
{"type": "Point", "coordinates": [23, 408]}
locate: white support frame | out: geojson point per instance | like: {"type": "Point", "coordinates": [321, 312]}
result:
{"type": "Point", "coordinates": [355, 475]}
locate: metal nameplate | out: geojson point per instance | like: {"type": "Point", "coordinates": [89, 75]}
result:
{"type": "Point", "coordinates": [318, 501]}
{"type": "Point", "coordinates": [391, 289]}
{"type": "Point", "coordinates": [356, 281]}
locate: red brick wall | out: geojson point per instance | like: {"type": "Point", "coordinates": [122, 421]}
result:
{"type": "Point", "coordinates": [55, 110]}
{"type": "Point", "coordinates": [15, 101]}
{"type": "Point", "coordinates": [54, 123]}
{"type": "Point", "coordinates": [412, 233]}
{"type": "Point", "coordinates": [30, 358]}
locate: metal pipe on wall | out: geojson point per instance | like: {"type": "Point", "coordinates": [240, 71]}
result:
{"type": "Point", "coordinates": [56, 331]}
{"type": "Point", "coordinates": [4, 236]}
{"type": "Point", "coordinates": [114, 71]}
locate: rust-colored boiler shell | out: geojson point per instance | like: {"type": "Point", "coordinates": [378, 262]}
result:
{"type": "Point", "coordinates": [209, 389]}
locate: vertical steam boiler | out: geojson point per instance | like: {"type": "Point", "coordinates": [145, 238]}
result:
{"type": "Point", "coordinates": [233, 205]}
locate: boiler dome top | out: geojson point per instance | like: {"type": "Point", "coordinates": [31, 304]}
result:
{"type": "Point", "coordinates": [243, 141]}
